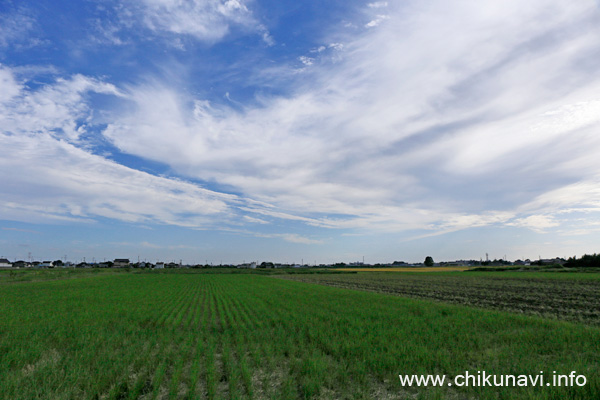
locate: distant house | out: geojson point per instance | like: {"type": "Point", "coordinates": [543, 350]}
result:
{"type": "Point", "coordinates": [251, 265]}
{"type": "Point", "coordinates": [4, 263]}
{"type": "Point", "coordinates": [159, 265]}
{"type": "Point", "coordinates": [121, 262]}
{"type": "Point", "coordinates": [46, 264]}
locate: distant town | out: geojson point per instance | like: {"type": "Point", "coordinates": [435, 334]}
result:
{"type": "Point", "coordinates": [127, 263]}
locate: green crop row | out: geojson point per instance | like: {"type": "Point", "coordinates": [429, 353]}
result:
{"type": "Point", "coordinates": [197, 336]}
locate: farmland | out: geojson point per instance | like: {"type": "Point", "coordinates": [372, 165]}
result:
{"type": "Point", "coordinates": [188, 335]}
{"type": "Point", "coordinates": [567, 296]}
{"type": "Point", "coordinates": [404, 269]}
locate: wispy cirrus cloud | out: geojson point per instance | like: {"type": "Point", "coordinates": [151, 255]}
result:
{"type": "Point", "coordinates": [203, 20]}
{"type": "Point", "coordinates": [290, 237]}
{"type": "Point", "coordinates": [538, 223]}
{"type": "Point", "coordinates": [418, 133]}
{"type": "Point", "coordinates": [149, 245]}
{"type": "Point", "coordinates": [60, 109]}
{"type": "Point", "coordinates": [377, 4]}
{"type": "Point", "coordinates": [15, 29]}
{"type": "Point", "coordinates": [49, 174]}
{"type": "Point", "coordinates": [79, 186]}
{"type": "Point", "coordinates": [377, 21]}
{"type": "Point", "coordinates": [21, 230]}
{"type": "Point", "coordinates": [405, 130]}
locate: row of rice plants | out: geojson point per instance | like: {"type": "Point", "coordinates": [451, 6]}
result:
{"type": "Point", "coordinates": [244, 336]}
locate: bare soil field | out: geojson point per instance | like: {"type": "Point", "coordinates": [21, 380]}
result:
{"type": "Point", "coordinates": [405, 269]}
{"type": "Point", "coordinates": [561, 297]}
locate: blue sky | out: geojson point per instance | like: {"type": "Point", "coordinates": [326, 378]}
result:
{"type": "Point", "coordinates": [229, 131]}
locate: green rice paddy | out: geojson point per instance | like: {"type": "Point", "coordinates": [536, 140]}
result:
{"type": "Point", "coordinates": [232, 336]}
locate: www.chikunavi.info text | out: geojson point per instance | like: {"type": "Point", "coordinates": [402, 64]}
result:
{"type": "Point", "coordinates": [482, 379]}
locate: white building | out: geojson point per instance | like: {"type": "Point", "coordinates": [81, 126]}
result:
{"type": "Point", "coordinates": [121, 262]}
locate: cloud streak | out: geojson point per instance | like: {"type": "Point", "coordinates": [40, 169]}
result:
{"type": "Point", "coordinates": [15, 28]}
{"type": "Point", "coordinates": [418, 133]}
{"type": "Point", "coordinates": [49, 174]}
{"type": "Point", "coordinates": [431, 118]}
{"type": "Point", "coordinates": [203, 20]}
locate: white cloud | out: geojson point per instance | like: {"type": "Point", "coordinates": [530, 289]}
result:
{"type": "Point", "coordinates": [448, 117]}
{"type": "Point", "coordinates": [291, 237]}
{"type": "Point", "coordinates": [255, 220]}
{"type": "Point", "coordinates": [377, 21]}
{"type": "Point", "coordinates": [49, 175]}
{"type": "Point", "coordinates": [378, 4]}
{"type": "Point", "coordinates": [15, 28]}
{"type": "Point", "coordinates": [583, 196]}
{"type": "Point", "coordinates": [108, 32]}
{"type": "Point", "coordinates": [374, 141]}
{"type": "Point", "coordinates": [57, 181]}
{"type": "Point", "coordinates": [538, 223]}
{"type": "Point", "coordinates": [206, 20]}
{"type": "Point", "coordinates": [266, 35]}
{"type": "Point", "coordinates": [60, 109]}
{"type": "Point", "coordinates": [46, 176]}
{"type": "Point", "coordinates": [9, 85]}
{"type": "Point", "coordinates": [306, 60]}
{"type": "Point", "coordinates": [300, 239]}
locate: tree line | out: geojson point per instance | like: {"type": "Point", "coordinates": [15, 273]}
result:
{"type": "Point", "coordinates": [586, 261]}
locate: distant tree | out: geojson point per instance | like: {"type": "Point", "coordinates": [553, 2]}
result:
{"type": "Point", "coordinates": [586, 261]}
{"type": "Point", "coordinates": [57, 263]}
{"type": "Point", "coordinates": [428, 261]}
